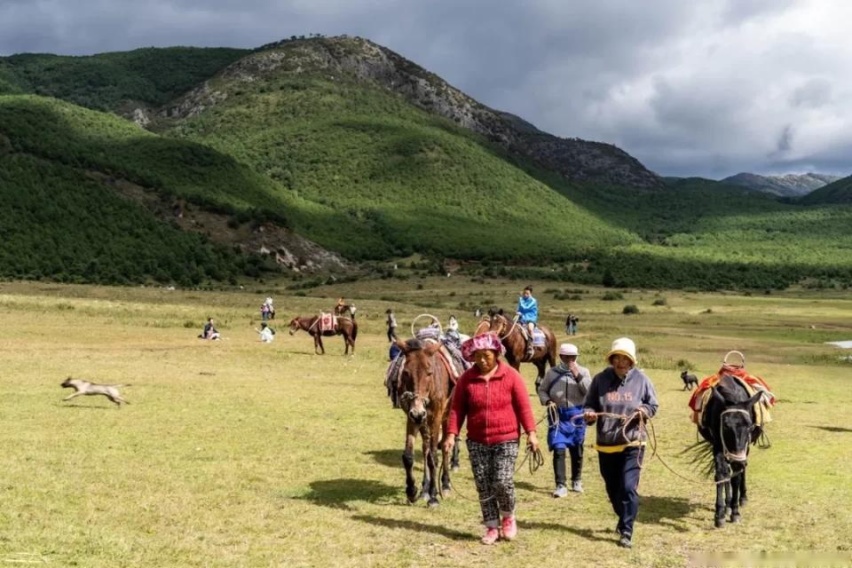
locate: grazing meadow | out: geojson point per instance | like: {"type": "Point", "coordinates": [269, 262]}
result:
{"type": "Point", "coordinates": [241, 454]}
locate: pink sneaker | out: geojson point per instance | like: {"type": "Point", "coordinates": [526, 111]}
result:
{"type": "Point", "coordinates": [510, 528]}
{"type": "Point", "coordinates": [491, 535]}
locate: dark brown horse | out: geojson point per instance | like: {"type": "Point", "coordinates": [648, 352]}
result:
{"type": "Point", "coordinates": [512, 336]}
{"type": "Point", "coordinates": [728, 425]}
{"type": "Point", "coordinates": [347, 327]}
{"type": "Point", "coordinates": [425, 391]}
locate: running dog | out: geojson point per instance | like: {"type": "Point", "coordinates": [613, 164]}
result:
{"type": "Point", "coordinates": [690, 381]}
{"type": "Point", "coordinates": [82, 387]}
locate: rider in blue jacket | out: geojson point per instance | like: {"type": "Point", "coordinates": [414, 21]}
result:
{"type": "Point", "coordinates": [527, 313]}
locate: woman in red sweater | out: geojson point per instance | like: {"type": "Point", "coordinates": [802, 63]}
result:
{"type": "Point", "coordinates": [493, 398]}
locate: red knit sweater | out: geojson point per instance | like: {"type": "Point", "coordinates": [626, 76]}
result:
{"type": "Point", "coordinates": [493, 408]}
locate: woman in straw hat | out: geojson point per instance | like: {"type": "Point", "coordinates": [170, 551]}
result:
{"type": "Point", "coordinates": [493, 398]}
{"type": "Point", "coordinates": [620, 399]}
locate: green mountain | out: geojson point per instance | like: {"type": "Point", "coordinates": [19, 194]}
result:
{"type": "Point", "coordinates": [838, 192]}
{"type": "Point", "coordinates": [307, 148]}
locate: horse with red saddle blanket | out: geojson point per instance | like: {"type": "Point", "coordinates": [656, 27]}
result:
{"type": "Point", "coordinates": [730, 409]}
{"type": "Point", "coordinates": [326, 325]}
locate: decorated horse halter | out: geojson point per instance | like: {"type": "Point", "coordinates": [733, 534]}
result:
{"type": "Point", "coordinates": [730, 456]}
{"type": "Point", "coordinates": [408, 397]}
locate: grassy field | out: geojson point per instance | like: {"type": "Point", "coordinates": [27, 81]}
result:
{"type": "Point", "coordinates": [236, 453]}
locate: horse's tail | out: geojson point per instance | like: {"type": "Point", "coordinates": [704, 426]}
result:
{"type": "Point", "coordinates": [354, 330]}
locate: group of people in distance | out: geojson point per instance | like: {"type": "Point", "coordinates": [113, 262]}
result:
{"type": "Point", "coordinates": [267, 313]}
{"type": "Point", "coordinates": [266, 333]}
{"type": "Point", "coordinates": [491, 397]}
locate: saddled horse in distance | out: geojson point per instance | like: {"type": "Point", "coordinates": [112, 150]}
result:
{"type": "Point", "coordinates": [345, 326]}
{"type": "Point", "coordinates": [426, 389]}
{"type": "Point", "coordinates": [512, 336]}
{"type": "Point", "coordinates": [728, 428]}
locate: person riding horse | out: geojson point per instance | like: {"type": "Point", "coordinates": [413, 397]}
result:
{"type": "Point", "coordinates": [527, 313]}
{"type": "Point", "coordinates": [344, 309]}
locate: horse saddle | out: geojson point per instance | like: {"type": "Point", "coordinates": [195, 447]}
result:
{"type": "Point", "coordinates": [327, 322]}
{"type": "Point", "coordinates": [538, 339]}
{"type": "Point", "coordinates": [702, 396]}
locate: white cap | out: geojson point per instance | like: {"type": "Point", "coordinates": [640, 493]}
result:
{"type": "Point", "coordinates": [623, 346]}
{"type": "Point", "coordinates": [568, 349]}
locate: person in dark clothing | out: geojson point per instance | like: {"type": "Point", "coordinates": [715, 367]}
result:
{"type": "Point", "coordinates": [564, 390]}
{"type": "Point", "coordinates": [620, 399]}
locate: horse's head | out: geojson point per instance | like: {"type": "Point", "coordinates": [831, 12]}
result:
{"type": "Point", "coordinates": [417, 378]}
{"type": "Point", "coordinates": [498, 323]}
{"type": "Point", "coordinates": [295, 325]}
{"type": "Point", "coordinates": [736, 424]}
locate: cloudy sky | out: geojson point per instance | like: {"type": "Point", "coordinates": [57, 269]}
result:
{"type": "Point", "coordinates": [710, 88]}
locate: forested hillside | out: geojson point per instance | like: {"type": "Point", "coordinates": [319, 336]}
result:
{"type": "Point", "coordinates": [839, 192]}
{"type": "Point", "coordinates": [289, 137]}
{"type": "Point", "coordinates": [113, 81]}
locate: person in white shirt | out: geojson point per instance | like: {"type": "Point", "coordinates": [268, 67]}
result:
{"type": "Point", "coordinates": [266, 333]}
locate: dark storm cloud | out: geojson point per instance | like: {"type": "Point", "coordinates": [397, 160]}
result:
{"type": "Point", "coordinates": [707, 88]}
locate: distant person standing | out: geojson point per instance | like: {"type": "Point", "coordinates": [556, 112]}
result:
{"type": "Point", "coordinates": [264, 312]}
{"type": "Point", "coordinates": [391, 323]}
{"type": "Point", "coordinates": [452, 333]}
{"type": "Point", "coordinates": [568, 325]}
{"type": "Point", "coordinates": [573, 326]}
{"type": "Point", "coordinates": [564, 390]}
{"type": "Point", "coordinates": [270, 308]}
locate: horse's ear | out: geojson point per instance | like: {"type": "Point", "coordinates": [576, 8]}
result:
{"type": "Point", "coordinates": [718, 395]}
{"type": "Point", "coordinates": [754, 399]}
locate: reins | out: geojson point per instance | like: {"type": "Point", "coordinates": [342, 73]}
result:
{"type": "Point", "coordinates": [652, 443]}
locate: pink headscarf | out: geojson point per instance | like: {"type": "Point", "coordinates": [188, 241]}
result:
{"type": "Point", "coordinates": [477, 343]}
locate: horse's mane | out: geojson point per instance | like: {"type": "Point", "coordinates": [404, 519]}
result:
{"type": "Point", "coordinates": [731, 390]}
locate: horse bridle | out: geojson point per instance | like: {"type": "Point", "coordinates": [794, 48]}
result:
{"type": "Point", "coordinates": [728, 455]}
{"type": "Point", "coordinates": [409, 396]}
{"type": "Point", "coordinates": [504, 323]}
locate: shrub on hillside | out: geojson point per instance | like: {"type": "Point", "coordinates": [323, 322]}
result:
{"type": "Point", "coordinates": [630, 309]}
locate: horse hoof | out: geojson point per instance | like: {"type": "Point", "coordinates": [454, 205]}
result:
{"type": "Point", "coordinates": [411, 496]}
{"type": "Point", "coordinates": [446, 489]}
{"type": "Point", "coordinates": [736, 518]}
{"type": "Point", "coordinates": [743, 502]}
{"type": "Point", "coordinates": [433, 503]}
{"type": "Point", "coordinates": [720, 523]}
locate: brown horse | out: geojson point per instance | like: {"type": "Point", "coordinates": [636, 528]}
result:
{"type": "Point", "coordinates": [425, 391]}
{"type": "Point", "coordinates": [512, 336]}
{"type": "Point", "coordinates": [347, 327]}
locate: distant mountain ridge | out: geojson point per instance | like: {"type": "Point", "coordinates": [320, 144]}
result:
{"type": "Point", "coordinates": [789, 185]}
